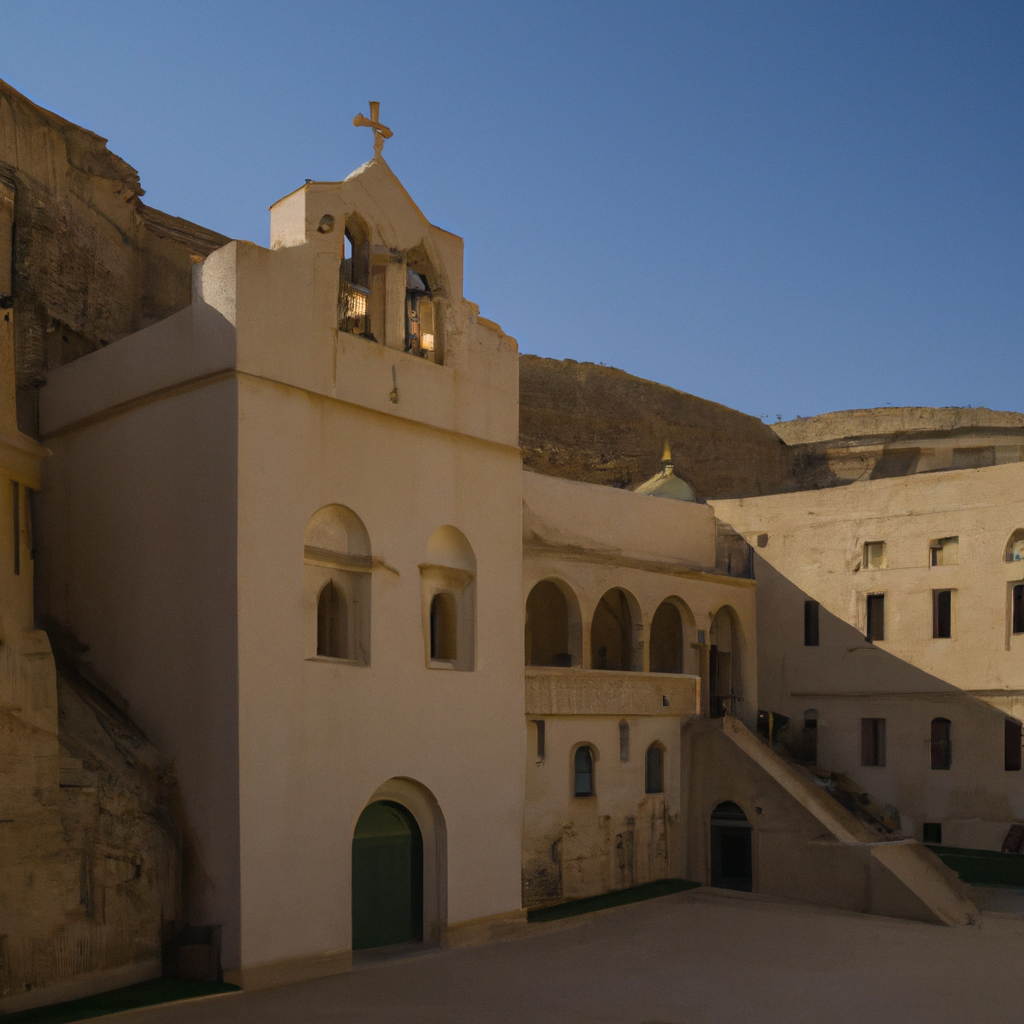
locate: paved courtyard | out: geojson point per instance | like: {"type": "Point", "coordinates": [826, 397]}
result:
{"type": "Point", "coordinates": [700, 956]}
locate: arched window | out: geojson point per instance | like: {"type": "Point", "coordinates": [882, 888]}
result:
{"type": "Point", "coordinates": [444, 644]}
{"type": "Point", "coordinates": [448, 579]}
{"type": "Point", "coordinates": [583, 763]}
{"type": "Point", "coordinates": [547, 626]}
{"type": "Point", "coordinates": [667, 639]}
{"type": "Point", "coordinates": [611, 633]}
{"type": "Point", "coordinates": [942, 752]}
{"type": "Point", "coordinates": [337, 574]}
{"type": "Point", "coordinates": [623, 740]}
{"type": "Point", "coordinates": [331, 623]}
{"type": "Point", "coordinates": [654, 773]}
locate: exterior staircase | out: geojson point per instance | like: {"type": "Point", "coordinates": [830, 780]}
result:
{"type": "Point", "coordinates": [935, 885]}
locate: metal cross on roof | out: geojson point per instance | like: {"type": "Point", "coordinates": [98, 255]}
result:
{"type": "Point", "coordinates": [380, 131]}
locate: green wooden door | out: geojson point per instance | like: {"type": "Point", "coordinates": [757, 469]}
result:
{"type": "Point", "coordinates": [387, 877]}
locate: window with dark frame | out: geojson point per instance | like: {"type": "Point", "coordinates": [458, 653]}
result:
{"type": "Point", "coordinates": [1018, 608]}
{"type": "Point", "coordinates": [942, 614]}
{"type": "Point", "coordinates": [872, 742]}
{"type": "Point", "coordinates": [811, 623]}
{"type": "Point", "coordinates": [1011, 745]}
{"type": "Point", "coordinates": [623, 740]}
{"type": "Point", "coordinates": [876, 618]}
{"type": "Point", "coordinates": [584, 770]}
{"type": "Point", "coordinates": [941, 746]}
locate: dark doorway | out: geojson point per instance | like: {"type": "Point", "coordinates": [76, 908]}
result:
{"type": "Point", "coordinates": [387, 877]}
{"type": "Point", "coordinates": [731, 858]}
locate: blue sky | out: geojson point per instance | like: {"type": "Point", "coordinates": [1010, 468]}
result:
{"type": "Point", "coordinates": [785, 207]}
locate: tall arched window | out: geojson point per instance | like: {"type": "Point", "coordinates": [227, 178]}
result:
{"type": "Point", "coordinates": [448, 579]}
{"type": "Point", "coordinates": [584, 771]}
{"type": "Point", "coordinates": [331, 623]}
{"type": "Point", "coordinates": [942, 751]}
{"type": "Point", "coordinates": [337, 574]}
{"type": "Point", "coordinates": [444, 638]}
{"type": "Point", "coordinates": [654, 773]}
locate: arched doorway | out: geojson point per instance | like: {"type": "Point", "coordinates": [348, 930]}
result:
{"type": "Point", "coordinates": [387, 877]}
{"type": "Point", "coordinates": [731, 848]}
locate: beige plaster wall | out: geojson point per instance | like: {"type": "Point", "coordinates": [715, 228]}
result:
{"type": "Point", "coordinates": [318, 737]}
{"type": "Point", "coordinates": [620, 836]}
{"type": "Point", "coordinates": [194, 454]}
{"type": "Point", "coordinates": [814, 551]}
{"type": "Point", "coordinates": [138, 559]}
{"type": "Point", "coordinates": [590, 539]}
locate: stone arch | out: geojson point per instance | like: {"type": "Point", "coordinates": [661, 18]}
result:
{"type": "Point", "coordinates": [670, 636]}
{"type": "Point", "coordinates": [553, 625]}
{"type": "Point", "coordinates": [424, 304]}
{"type": "Point", "coordinates": [450, 569]}
{"type": "Point", "coordinates": [725, 661]}
{"type": "Point", "coordinates": [337, 562]}
{"type": "Point", "coordinates": [355, 301]}
{"type": "Point", "coordinates": [615, 631]}
{"type": "Point", "coordinates": [421, 803]}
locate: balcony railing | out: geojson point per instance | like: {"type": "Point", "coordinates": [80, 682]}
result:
{"type": "Point", "coordinates": [577, 691]}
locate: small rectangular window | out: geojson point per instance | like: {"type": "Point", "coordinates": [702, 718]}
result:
{"type": "Point", "coordinates": [872, 742]}
{"type": "Point", "coordinates": [874, 554]}
{"type": "Point", "coordinates": [1018, 608]}
{"type": "Point", "coordinates": [932, 832]}
{"type": "Point", "coordinates": [810, 623]}
{"type": "Point", "coordinates": [876, 617]}
{"type": "Point", "coordinates": [1011, 745]}
{"type": "Point", "coordinates": [539, 723]}
{"type": "Point", "coordinates": [944, 551]}
{"type": "Point", "coordinates": [16, 495]}
{"type": "Point", "coordinates": [942, 614]}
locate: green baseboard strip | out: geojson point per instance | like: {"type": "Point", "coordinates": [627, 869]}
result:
{"type": "Point", "coordinates": [982, 867]}
{"type": "Point", "coordinates": [146, 993]}
{"type": "Point", "coordinates": [618, 898]}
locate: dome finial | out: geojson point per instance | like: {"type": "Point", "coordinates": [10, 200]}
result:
{"type": "Point", "coordinates": [666, 455]}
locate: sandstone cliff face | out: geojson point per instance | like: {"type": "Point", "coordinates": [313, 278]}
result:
{"type": "Point", "coordinates": [91, 263]}
{"type": "Point", "coordinates": [600, 425]}
{"type": "Point", "coordinates": [90, 834]}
